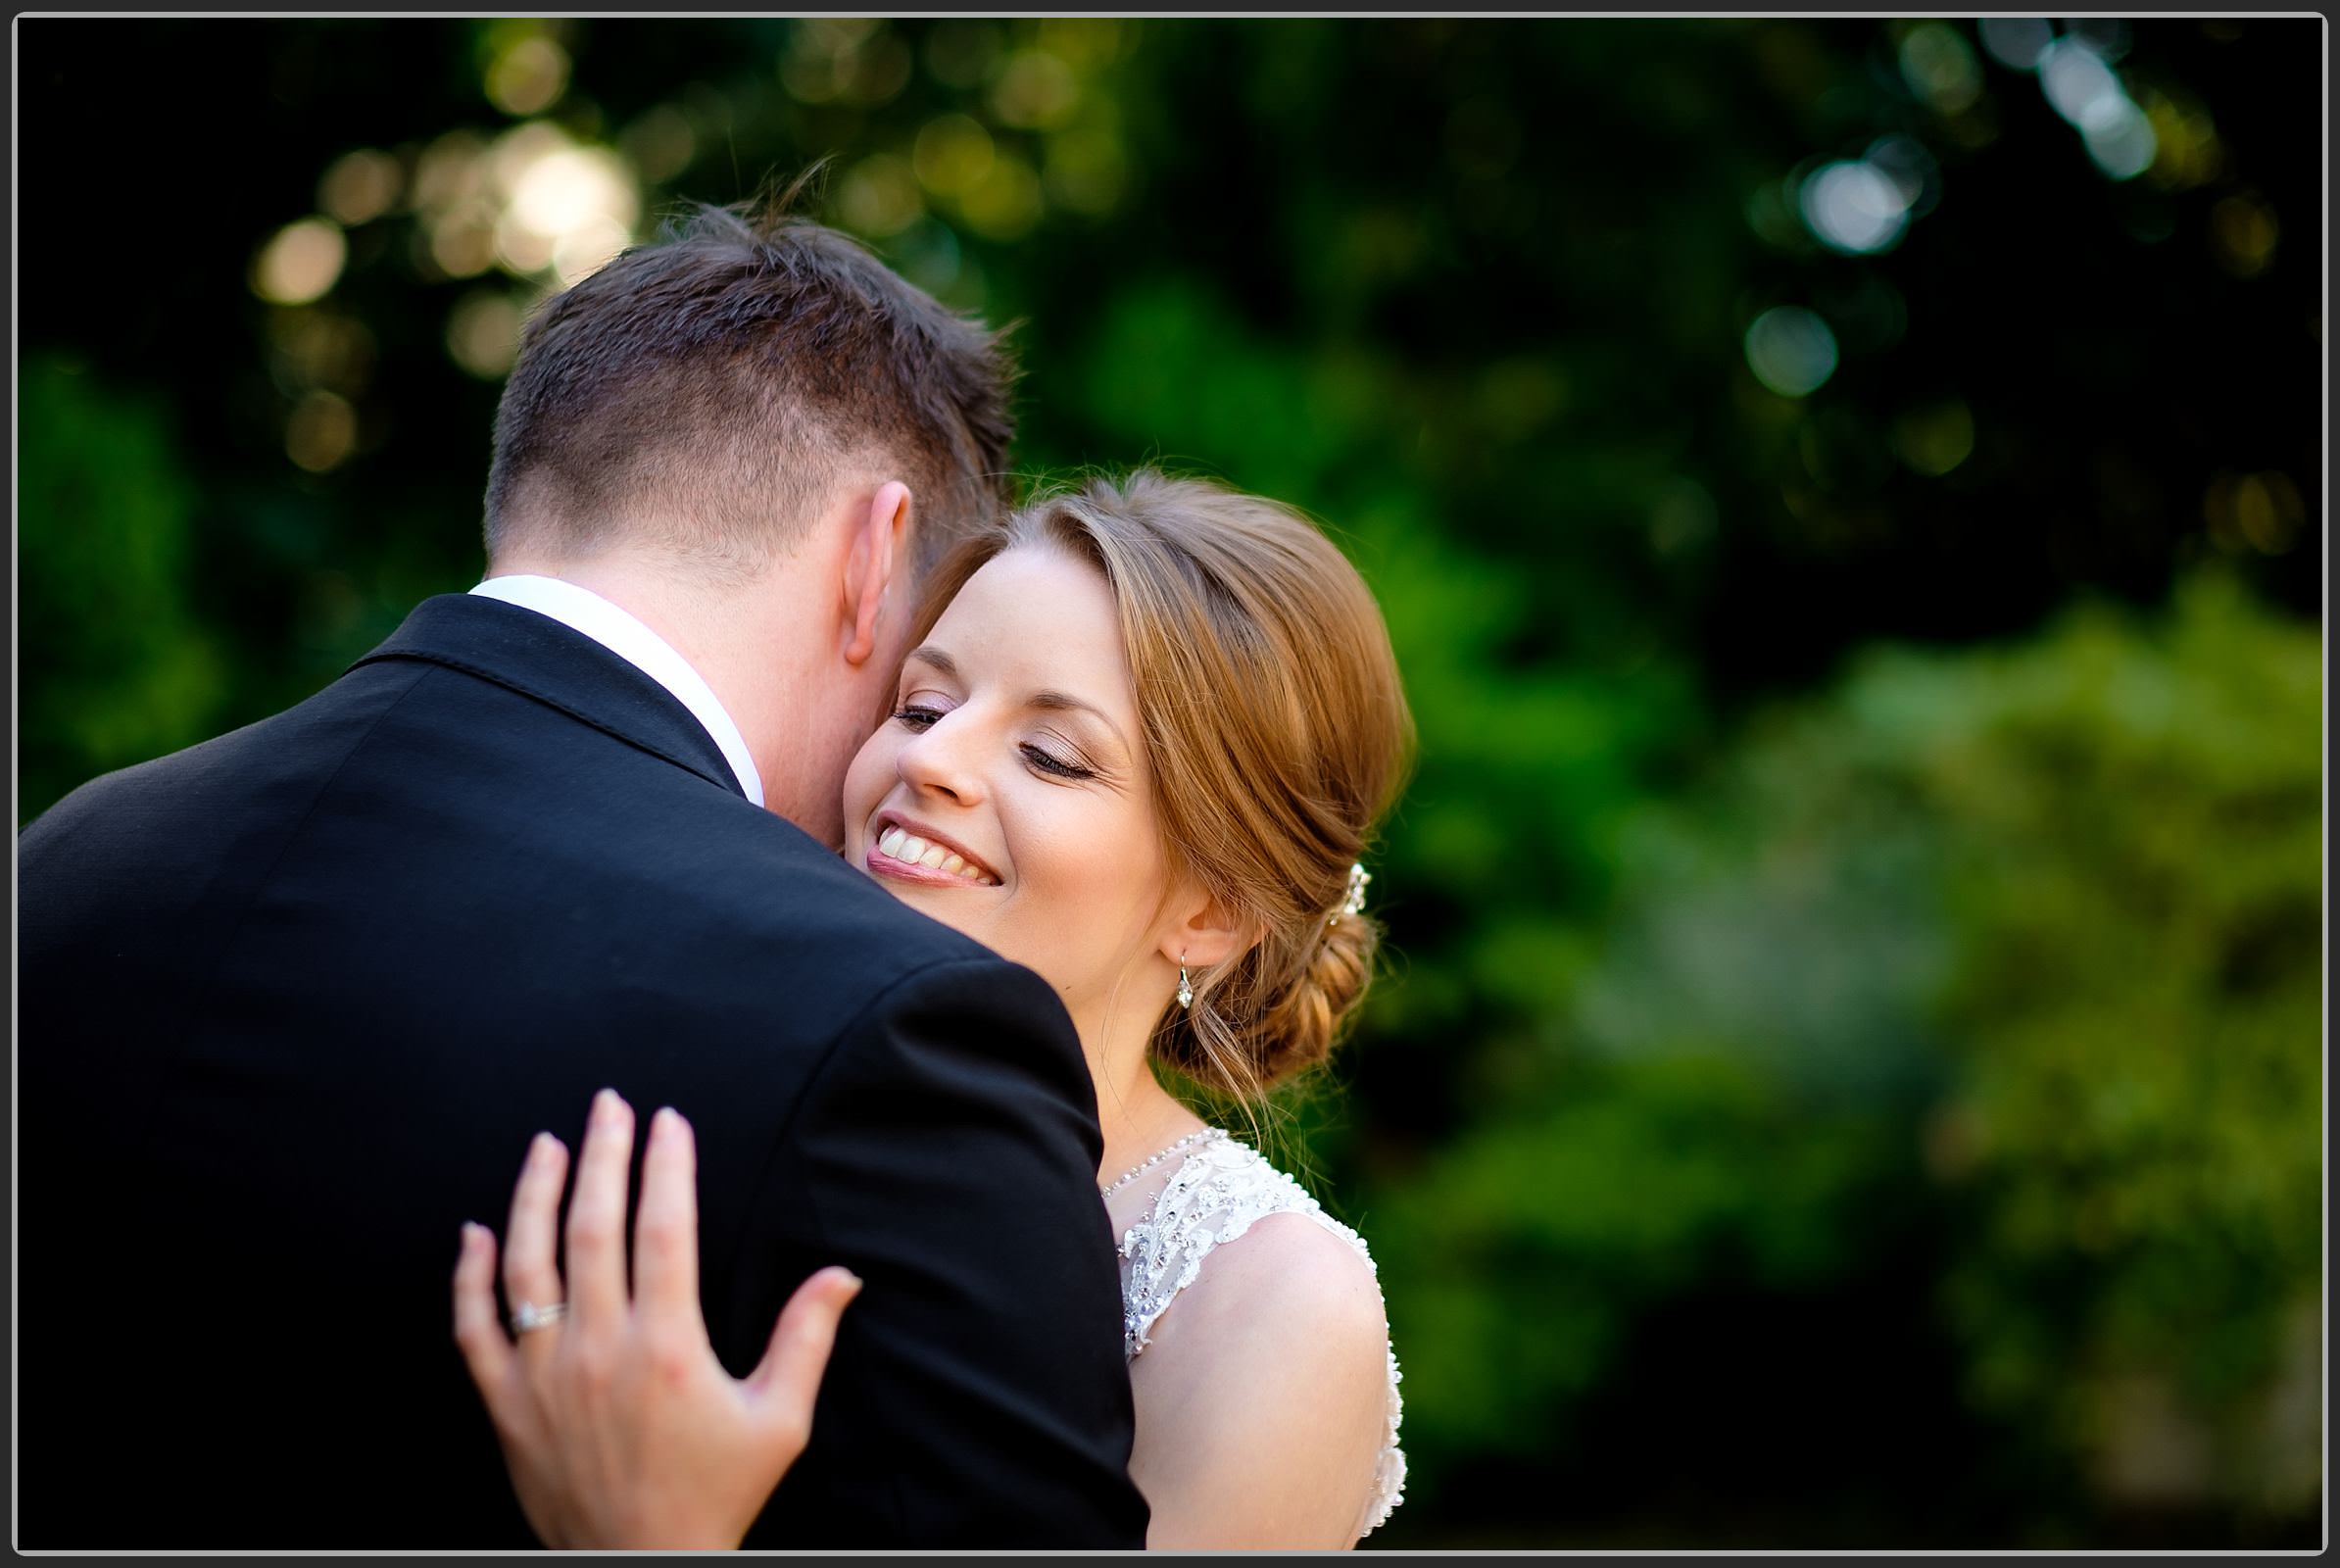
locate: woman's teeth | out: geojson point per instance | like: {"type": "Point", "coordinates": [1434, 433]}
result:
{"type": "Point", "coordinates": [909, 847]}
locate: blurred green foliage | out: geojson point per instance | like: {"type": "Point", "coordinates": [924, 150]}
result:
{"type": "Point", "coordinates": [121, 668]}
{"type": "Point", "coordinates": [1850, 1068]}
{"type": "Point", "coordinates": [2027, 935]}
{"type": "Point", "coordinates": [2135, 1136]}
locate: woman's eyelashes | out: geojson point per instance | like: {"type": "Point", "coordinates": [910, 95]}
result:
{"type": "Point", "coordinates": [1048, 763]}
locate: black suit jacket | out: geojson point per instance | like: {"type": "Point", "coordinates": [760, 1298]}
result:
{"type": "Point", "coordinates": [293, 1002]}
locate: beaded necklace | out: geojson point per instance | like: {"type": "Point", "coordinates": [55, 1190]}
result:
{"type": "Point", "coordinates": [1136, 1172]}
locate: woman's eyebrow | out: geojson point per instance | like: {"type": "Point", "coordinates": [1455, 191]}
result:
{"type": "Point", "coordinates": [1064, 701]}
{"type": "Point", "coordinates": [941, 662]}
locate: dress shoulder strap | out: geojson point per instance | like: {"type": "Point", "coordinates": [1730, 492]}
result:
{"type": "Point", "coordinates": [1214, 1196]}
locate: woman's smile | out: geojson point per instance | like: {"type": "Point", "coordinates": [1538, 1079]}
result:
{"type": "Point", "coordinates": [914, 851]}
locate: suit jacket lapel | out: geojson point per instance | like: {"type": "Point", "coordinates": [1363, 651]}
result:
{"type": "Point", "coordinates": [538, 656]}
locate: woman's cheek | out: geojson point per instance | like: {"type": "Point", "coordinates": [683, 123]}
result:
{"type": "Point", "coordinates": [864, 783]}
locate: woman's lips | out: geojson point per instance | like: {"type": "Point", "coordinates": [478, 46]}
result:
{"type": "Point", "coordinates": [902, 851]}
{"type": "Point", "coordinates": [880, 863]}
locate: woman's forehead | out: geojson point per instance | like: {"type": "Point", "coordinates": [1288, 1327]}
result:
{"type": "Point", "coordinates": [1039, 615]}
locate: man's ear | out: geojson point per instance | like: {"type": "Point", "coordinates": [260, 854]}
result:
{"type": "Point", "coordinates": [879, 541]}
{"type": "Point", "coordinates": [1212, 932]}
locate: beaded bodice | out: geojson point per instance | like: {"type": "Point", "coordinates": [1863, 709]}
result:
{"type": "Point", "coordinates": [1219, 1190]}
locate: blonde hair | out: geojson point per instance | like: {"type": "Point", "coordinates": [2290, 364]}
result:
{"type": "Point", "coordinates": [1277, 733]}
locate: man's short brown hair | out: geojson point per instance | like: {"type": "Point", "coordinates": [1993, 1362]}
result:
{"type": "Point", "coordinates": [718, 381]}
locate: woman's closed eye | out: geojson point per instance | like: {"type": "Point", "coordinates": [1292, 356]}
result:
{"type": "Point", "coordinates": [917, 715]}
{"type": "Point", "coordinates": [1049, 762]}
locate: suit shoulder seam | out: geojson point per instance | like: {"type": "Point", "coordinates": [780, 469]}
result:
{"type": "Point", "coordinates": [525, 689]}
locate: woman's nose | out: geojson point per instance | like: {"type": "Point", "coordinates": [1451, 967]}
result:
{"type": "Point", "coordinates": [939, 759]}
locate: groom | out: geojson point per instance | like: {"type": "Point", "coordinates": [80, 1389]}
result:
{"type": "Point", "coordinates": [293, 1000]}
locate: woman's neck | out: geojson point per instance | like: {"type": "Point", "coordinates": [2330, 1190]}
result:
{"type": "Point", "coordinates": [1138, 1116]}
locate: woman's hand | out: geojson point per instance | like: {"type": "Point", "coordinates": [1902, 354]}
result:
{"type": "Point", "coordinates": [619, 1426]}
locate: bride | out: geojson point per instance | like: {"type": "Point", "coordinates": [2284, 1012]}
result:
{"type": "Point", "coordinates": [1139, 749]}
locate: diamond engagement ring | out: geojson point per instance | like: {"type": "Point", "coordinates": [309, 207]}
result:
{"type": "Point", "coordinates": [532, 1316]}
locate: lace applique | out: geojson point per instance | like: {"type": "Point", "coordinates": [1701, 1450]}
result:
{"type": "Point", "coordinates": [1214, 1196]}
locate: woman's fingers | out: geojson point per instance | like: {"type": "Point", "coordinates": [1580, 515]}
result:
{"type": "Point", "coordinates": [785, 1382]}
{"type": "Point", "coordinates": [477, 1332]}
{"type": "Point", "coordinates": [666, 1228]}
{"type": "Point", "coordinates": [530, 1273]}
{"type": "Point", "coordinates": [596, 1293]}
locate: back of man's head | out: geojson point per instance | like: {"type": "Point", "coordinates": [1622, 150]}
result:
{"type": "Point", "coordinates": [704, 396]}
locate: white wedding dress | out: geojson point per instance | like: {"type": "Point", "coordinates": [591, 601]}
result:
{"type": "Point", "coordinates": [1220, 1190]}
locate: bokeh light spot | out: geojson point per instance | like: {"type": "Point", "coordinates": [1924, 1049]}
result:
{"type": "Point", "coordinates": [300, 262]}
{"type": "Point", "coordinates": [452, 170]}
{"type": "Point", "coordinates": [1792, 351]}
{"type": "Point", "coordinates": [661, 144]}
{"type": "Point", "coordinates": [853, 60]}
{"type": "Point", "coordinates": [1084, 42]}
{"type": "Point", "coordinates": [881, 69]}
{"type": "Point", "coordinates": [571, 191]}
{"type": "Point", "coordinates": [462, 244]}
{"type": "Point", "coordinates": [2076, 80]}
{"type": "Point", "coordinates": [586, 249]}
{"type": "Point", "coordinates": [2266, 507]}
{"type": "Point", "coordinates": [1940, 69]}
{"type": "Point", "coordinates": [1035, 90]}
{"type": "Point", "coordinates": [1913, 170]}
{"type": "Point", "coordinates": [528, 76]}
{"type": "Point", "coordinates": [1854, 207]}
{"type": "Point", "coordinates": [520, 248]}
{"type": "Point", "coordinates": [360, 186]}
{"type": "Point", "coordinates": [321, 431]}
{"type": "Point", "coordinates": [2254, 511]}
{"type": "Point", "coordinates": [1084, 171]}
{"type": "Point", "coordinates": [879, 196]}
{"type": "Point", "coordinates": [484, 332]}
{"type": "Point", "coordinates": [1934, 440]}
{"type": "Point", "coordinates": [2119, 138]}
{"type": "Point", "coordinates": [2016, 42]}
{"type": "Point", "coordinates": [1005, 202]}
{"type": "Point", "coordinates": [317, 347]}
{"type": "Point", "coordinates": [2188, 150]}
{"type": "Point", "coordinates": [952, 152]}
{"type": "Point", "coordinates": [2243, 235]}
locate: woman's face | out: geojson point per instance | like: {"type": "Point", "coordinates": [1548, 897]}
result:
{"type": "Point", "coordinates": [1008, 796]}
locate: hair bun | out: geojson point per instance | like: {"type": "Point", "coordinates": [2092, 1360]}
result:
{"type": "Point", "coordinates": [1299, 1029]}
{"type": "Point", "coordinates": [1277, 1013]}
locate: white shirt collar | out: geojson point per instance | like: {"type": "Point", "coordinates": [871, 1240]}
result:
{"type": "Point", "coordinates": [581, 610]}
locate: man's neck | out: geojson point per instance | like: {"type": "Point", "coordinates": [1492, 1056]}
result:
{"type": "Point", "coordinates": [727, 634]}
